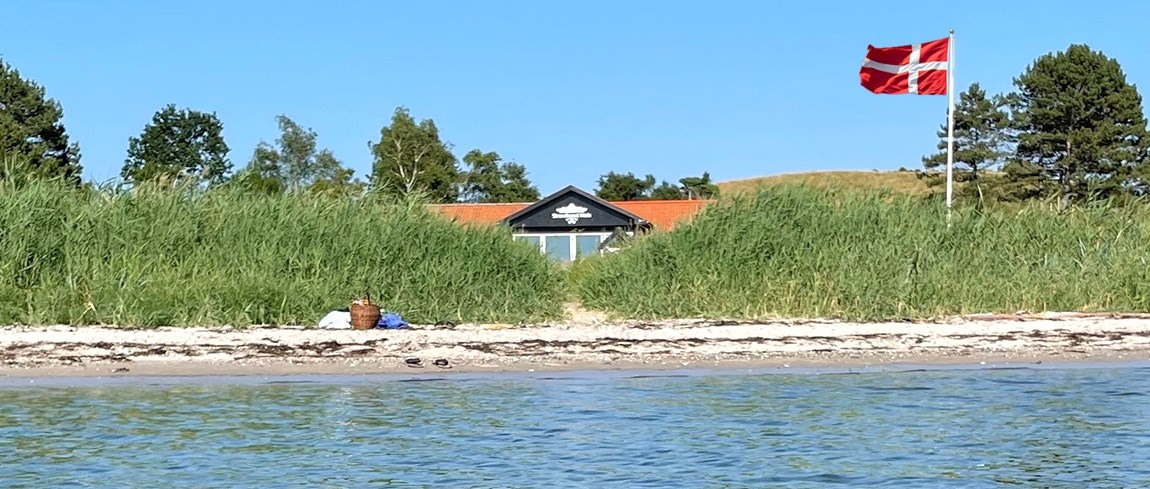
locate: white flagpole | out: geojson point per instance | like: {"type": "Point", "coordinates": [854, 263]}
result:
{"type": "Point", "coordinates": [949, 125]}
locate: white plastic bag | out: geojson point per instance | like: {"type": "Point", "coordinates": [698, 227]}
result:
{"type": "Point", "coordinates": [336, 320]}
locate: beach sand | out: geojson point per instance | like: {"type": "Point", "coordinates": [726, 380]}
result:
{"type": "Point", "coordinates": [105, 351]}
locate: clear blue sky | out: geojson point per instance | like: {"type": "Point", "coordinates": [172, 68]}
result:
{"type": "Point", "coordinates": [570, 89]}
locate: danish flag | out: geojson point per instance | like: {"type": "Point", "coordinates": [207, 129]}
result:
{"type": "Point", "coordinates": [911, 69]}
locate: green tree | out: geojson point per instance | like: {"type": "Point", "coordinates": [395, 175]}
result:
{"type": "Point", "coordinates": [667, 191]}
{"type": "Point", "coordinates": [262, 173]}
{"type": "Point", "coordinates": [340, 184]}
{"type": "Point", "coordinates": [487, 180]}
{"type": "Point", "coordinates": [1023, 180]}
{"type": "Point", "coordinates": [699, 187]}
{"type": "Point", "coordinates": [981, 143]}
{"type": "Point", "coordinates": [257, 180]}
{"type": "Point", "coordinates": [294, 162]}
{"type": "Point", "coordinates": [410, 157]}
{"type": "Point", "coordinates": [31, 130]}
{"type": "Point", "coordinates": [619, 187]}
{"type": "Point", "coordinates": [178, 145]}
{"type": "Point", "coordinates": [1081, 124]}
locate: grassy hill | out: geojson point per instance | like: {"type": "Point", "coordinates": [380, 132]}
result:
{"type": "Point", "coordinates": [898, 181]}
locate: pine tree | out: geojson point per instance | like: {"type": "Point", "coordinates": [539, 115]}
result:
{"type": "Point", "coordinates": [981, 143]}
{"type": "Point", "coordinates": [1081, 126]}
{"type": "Point", "coordinates": [31, 132]}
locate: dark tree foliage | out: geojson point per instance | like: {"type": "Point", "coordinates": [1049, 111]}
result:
{"type": "Point", "coordinates": [31, 131]}
{"type": "Point", "coordinates": [1080, 127]}
{"type": "Point", "coordinates": [487, 179]}
{"type": "Point", "coordinates": [981, 143]}
{"type": "Point", "coordinates": [619, 187]}
{"type": "Point", "coordinates": [699, 187]}
{"type": "Point", "coordinates": [178, 145]}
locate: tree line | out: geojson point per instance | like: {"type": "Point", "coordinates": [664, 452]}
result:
{"type": "Point", "coordinates": [1073, 130]}
{"type": "Point", "coordinates": [181, 146]}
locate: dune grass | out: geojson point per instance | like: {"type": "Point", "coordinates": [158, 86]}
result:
{"type": "Point", "coordinates": [161, 257]}
{"type": "Point", "coordinates": [153, 257]}
{"type": "Point", "coordinates": [904, 182]}
{"type": "Point", "coordinates": [798, 251]}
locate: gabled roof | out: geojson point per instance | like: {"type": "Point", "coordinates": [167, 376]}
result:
{"type": "Point", "coordinates": [563, 192]}
{"type": "Point", "coordinates": [662, 214]}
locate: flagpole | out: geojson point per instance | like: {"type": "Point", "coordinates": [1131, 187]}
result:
{"type": "Point", "coordinates": [949, 126]}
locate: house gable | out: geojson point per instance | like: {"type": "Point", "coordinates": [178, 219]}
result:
{"type": "Point", "coordinates": [573, 208]}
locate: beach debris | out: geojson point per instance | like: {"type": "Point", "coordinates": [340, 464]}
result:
{"type": "Point", "coordinates": [364, 314]}
{"type": "Point", "coordinates": [336, 320]}
{"type": "Point", "coordinates": [391, 320]}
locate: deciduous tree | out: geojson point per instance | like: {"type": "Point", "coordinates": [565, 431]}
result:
{"type": "Point", "coordinates": [178, 145]}
{"type": "Point", "coordinates": [410, 157]}
{"type": "Point", "coordinates": [619, 187]}
{"type": "Point", "coordinates": [294, 163]}
{"type": "Point", "coordinates": [488, 179]}
{"type": "Point", "coordinates": [667, 191]}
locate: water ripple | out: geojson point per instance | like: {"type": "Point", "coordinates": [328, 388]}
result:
{"type": "Point", "coordinates": [962, 428]}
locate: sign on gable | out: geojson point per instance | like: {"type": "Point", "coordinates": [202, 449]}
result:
{"type": "Point", "coordinates": [571, 213]}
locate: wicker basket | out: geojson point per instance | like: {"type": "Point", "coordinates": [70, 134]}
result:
{"type": "Point", "coordinates": [364, 314]}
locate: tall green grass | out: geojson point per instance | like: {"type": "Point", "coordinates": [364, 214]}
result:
{"type": "Point", "coordinates": [153, 257]}
{"type": "Point", "coordinates": [800, 252]}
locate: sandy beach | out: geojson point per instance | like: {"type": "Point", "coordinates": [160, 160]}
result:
{"type": "Point", "coordinates": [101, 351]}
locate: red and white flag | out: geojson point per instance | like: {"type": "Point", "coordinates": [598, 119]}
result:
{"type": "Point", "coordinates": [911, 69]}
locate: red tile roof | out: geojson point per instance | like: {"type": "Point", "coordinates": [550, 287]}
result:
{"type": "Point", "coordinates": [479, 213]}
{"type": "Point", "coordinates": [663, 214]}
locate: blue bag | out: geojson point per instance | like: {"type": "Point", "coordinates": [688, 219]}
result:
{"type": "Point", "coordinates": [391, 320]}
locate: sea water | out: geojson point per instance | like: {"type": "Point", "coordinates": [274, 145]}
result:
{"type": "Point", "coordinates": [971, 428]}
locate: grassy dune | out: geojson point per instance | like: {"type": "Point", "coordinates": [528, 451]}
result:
{"type": "Point", "coordinates": [898, 182]}
{"type": "Point", "coordinates": [152, 258]}
{"type": "Point", "coordinates": [803, 252]}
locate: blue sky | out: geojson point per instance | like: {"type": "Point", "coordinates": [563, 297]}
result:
{"type": "Point", "coordinates": [569, 89]}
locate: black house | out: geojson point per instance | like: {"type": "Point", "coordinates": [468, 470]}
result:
{"type": "Point", "coordinates": [571, 223]}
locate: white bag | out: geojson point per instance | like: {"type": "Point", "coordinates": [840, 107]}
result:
{"type": "Point", "coordinates": [336, 320]}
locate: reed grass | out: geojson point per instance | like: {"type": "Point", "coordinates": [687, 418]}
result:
{"type": "Point", "coordinates": [155, 257]}
{"type": "Point", "coordinates": [796, 251]}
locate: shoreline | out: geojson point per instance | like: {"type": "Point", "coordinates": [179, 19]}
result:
{"type": "Point", "coordinates": [276, 368]}
{"type": "Point", "coordinates": [62, 351]}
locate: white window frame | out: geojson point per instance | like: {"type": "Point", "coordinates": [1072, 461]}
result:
{"type": "Point", "coordinates": [572, 253]}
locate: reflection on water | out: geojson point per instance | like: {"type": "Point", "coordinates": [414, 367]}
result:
{"type": "Point", "coordinates": [1053, 428]}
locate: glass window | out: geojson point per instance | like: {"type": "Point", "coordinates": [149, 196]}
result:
{"type": "Point", "coordinates": [586, 244]}
{"type": "Point", "coordinates": [532, 240]}
{"type": "Point", "coordinates": [559, 248]}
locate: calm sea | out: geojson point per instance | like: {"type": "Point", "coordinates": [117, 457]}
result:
{"type": "Point", "coordinates": [973, 428]}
